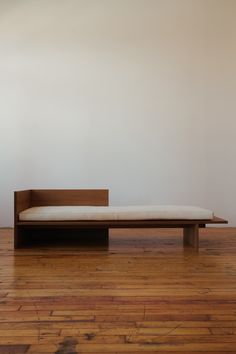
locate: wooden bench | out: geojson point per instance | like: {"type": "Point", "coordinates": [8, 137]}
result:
{"type": "Point", "coordinates": [92, 197]}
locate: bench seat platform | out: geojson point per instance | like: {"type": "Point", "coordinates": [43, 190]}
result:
{"type": "Point", "coordinates": [115, 213]}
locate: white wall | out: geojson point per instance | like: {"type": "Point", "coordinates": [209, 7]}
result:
{"type": "Point", "coordinates": [221, 108]}
{"type": "Point", "coordinates": [134, 95]}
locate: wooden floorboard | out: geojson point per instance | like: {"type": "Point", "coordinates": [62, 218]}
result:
{"type": "Point", "coordinates": [143, 294]}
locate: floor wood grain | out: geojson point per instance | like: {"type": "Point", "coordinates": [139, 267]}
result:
{"type": "Point", "coordinates": [143, 294]}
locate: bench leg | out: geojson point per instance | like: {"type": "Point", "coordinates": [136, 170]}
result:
{"type": "Point", "coordinates": [18, 237]}
{"type": "Point", "coordinates": [191, 236]}
{"type": "Point", "coordinates": [28, 237]}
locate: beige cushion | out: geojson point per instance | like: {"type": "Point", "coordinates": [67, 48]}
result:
{"type": "Point", "coordinates": [145, 212]}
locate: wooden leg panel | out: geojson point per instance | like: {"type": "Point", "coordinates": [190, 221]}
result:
{"type": "Point", "coordinates": [191, 236]}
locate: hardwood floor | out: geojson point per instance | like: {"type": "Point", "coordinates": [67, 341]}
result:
{"type": "Point", "coordinates": [144, 294]}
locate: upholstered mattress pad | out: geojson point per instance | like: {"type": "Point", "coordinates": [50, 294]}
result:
{"type": "Point", "coordinates": [86, 213]}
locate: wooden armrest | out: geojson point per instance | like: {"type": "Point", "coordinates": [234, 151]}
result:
{"type": "Point", "coordinates": [22, 201]}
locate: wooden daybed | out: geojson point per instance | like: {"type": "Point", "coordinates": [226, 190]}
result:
{"type": "Point", "coordinates": [24, 200]}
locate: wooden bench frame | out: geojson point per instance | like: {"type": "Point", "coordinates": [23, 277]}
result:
{"type": "Point", "coordinates": [96, 197]}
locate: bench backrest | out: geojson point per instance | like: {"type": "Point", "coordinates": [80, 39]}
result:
{"type": "Point", "coordinates": [54, 197]}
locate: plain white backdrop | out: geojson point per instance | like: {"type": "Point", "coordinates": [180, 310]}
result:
{"type": "Point", "coordinates": [138, 96]}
